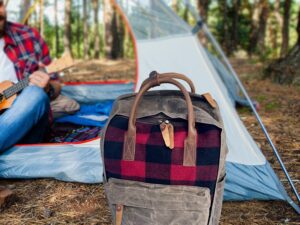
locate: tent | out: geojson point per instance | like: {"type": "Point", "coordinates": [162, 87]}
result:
{"type": "Point", "coordinates": [163, 42]}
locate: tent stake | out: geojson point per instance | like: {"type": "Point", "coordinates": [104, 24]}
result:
{"type": "Point", "coordinates": [219, 49]}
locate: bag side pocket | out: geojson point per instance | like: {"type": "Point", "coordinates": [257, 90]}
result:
{"type": "Point", "coordinates": [138, 203]}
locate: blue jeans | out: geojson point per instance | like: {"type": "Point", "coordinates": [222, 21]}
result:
{"type": "Point", "coordinates": [26, 119]}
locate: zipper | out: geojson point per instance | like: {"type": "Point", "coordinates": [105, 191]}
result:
{"type": "Point", "coordinates": [166, 127]}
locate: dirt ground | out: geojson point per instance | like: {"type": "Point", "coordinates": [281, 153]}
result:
{"type": "Point", "coordinates": [53, 202]}
{"type": "Point", "coordinates": [103, 70]}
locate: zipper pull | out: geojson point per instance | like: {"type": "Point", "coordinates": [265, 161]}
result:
{"type": "Point", "coordinates": [167, 131]}
{"type": "Point", "coordinates": [171, 134]}
{"type": "Point", "coordinates": [119, 214]}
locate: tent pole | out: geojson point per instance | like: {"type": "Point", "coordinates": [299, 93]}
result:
{"type": "Point", "coordinates": [219, 49]}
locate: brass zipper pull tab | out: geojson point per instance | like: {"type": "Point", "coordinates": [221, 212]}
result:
{"type": "Point", "coordinates": [171, 135]}
{"type": "Point", "coordinates": [167, 131]}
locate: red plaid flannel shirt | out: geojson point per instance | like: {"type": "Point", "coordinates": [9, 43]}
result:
{"type": "Point", "coordinates": [25, 48]}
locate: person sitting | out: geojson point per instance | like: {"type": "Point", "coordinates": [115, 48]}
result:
{"type": "Point", "coordinates": [22, 54]}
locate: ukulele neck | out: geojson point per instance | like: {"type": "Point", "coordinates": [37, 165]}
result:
{"type": "Point", "coordinates": [16, 88]}
{"type": "Point", "coordinates": [61, 64]}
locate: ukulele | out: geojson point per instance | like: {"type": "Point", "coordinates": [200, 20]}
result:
{"type": "Point", "coordinates": [9, 90]}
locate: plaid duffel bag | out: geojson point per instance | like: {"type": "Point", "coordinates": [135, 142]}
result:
{"type": "Point", "coordinates": [167, 137]}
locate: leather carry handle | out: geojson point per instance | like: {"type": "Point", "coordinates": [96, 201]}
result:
{"type": "Point", "coordinates": [158, 76]}
{"type": "Point", "coordinates": [190, 145]}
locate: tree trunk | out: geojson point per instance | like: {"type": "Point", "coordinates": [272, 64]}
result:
{"type": "Point", "coordinates": [258, 27]}
{"type": "Point", "coordinates": [277, 14]}
{"type": "Point", "coordinates": [223, 7]}
{"type": "Point", "coordinates": [78, 28]}
{"type": "Point", "coordinates": [175, 5]}
{"type": "Point", "coordinates": [85, 30]}
{"type": "Point", "coordinates": [42, 18]}
{"type": "Point", "coordinates": [235, 26]}
{"type": "Point", "coordinates": [67, 27]}
{"type": "Point", "coordinates": [186, 13]}
{"type": "Point", "coordinates": [108, 14]}
{"type": "Point", "coordinates": [203, 9]}
{"type": "Point", "coordinates": [287, 69]}
{"type": "Point", "coordinates": [254, 28]}
{"type": "Point", "coordinates": [298, 28]}
{"type": "Point", "coordinates": [275, 26]}
{"type": "Point", "coordinates": [96, 31]}
{"type": "Point", "coordinates": [117, 29]}
{"type": "Point", "coordinates": [56, 28]}
{"type": "Point", "coordinates": [6, 3]}
{"type": "Point", "coordinates": [24, 6]}
{"type": "Point", "coordinates": [114, 32]}
{"type": "Point", "coordinates": [262, 26]}
{"type": "Point", "coordinates": [34, 20]}
{"type": "Point", "coordinates": [285, 28]}
{"type": "Point", "coordinates": [121, 31]}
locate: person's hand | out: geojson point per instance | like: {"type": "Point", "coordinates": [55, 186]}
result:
{"type": "Point", "coordinates": [40, 79]}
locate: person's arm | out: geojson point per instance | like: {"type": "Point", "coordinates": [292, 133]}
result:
{"type": "Point", "coordinates": [52, 85]}
{"type": "Point", "coordinates": [42, 80]}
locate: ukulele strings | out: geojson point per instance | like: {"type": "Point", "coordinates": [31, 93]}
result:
{"type": "Point", "coordinates": [16, 88]}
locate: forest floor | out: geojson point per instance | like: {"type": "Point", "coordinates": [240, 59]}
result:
{"type": "Point", "coordinates": [44, 201]}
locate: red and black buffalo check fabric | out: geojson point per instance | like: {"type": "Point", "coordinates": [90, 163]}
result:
{"type": "Point", "coordinates": [154, 162]}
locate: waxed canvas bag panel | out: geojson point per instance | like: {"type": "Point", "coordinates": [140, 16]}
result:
{"type": "Point", "coordinates": [157, 204]}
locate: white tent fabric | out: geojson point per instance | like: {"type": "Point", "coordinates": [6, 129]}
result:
{"type": "Point", "coordinates": [160, 48]}
{"type": "Point", "coordinates": [185, 55]}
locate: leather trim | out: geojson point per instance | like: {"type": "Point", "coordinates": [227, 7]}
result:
{"type": "Point", "coordinates": [158, 76]}
{"type": "Point", "coordinates": [210, 100]}
{"type": "Point", "coordinates": [130, 137]}
{"type": "Point", "coordinates": [190, 154]}
{"type": "Point", "coordinates": [129, 146]}
{"type": "Point", "coordinates": [119, 214]}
